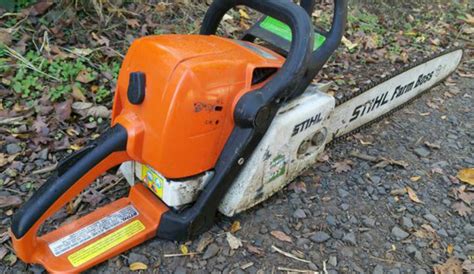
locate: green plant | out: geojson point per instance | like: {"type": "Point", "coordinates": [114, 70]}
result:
{"type": "Point", "coordinates": [58, 92]}
{"type": "Point", "coordinates": [28, 86]}
{"type": "Point", "coordinates": [101, 94]}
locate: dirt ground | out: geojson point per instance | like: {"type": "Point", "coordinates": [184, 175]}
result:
{"type": "Point", "coordinates": [350, 213]}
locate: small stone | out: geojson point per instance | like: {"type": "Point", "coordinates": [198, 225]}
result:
{"type": "Point", "coordinates": [211, 251]}
{"type": "Point", "coordinates": [344, 207]}
{"type": "Point", "coordinates": [422, 152]}
{"type": "Point", "coordinates": [330, 220]}
{"type": "Point", "coordinates": [43, 154]}
{"type": "Point", "coordinates": [313, 267]}
{"type": "Point", "coordinates": [350, 238]}
{"type": "Point", "coordinates": [421, 271]}
{"type": "Point", "coordinates": [301, 242]}
{"type": "Point", "coordinates": [394, 271]}
{"type": "Point", "coordinates": [13, 148]}
{"type": "Point", "coordinates": [332, 260]}
{"type": "Point", "coordinates": [347, 252]}
{"type": "Point", "coordinates": [299, 214]}
{"type": "Point", "coordinates": [338, 234]}
{"type": "Point", "coordinates": [469, 229]}
{"type": "Point", "coordinates": [411, 249]}
{"type": "Point", "coordinates": [430, 217]}
{"type": "Point", "coordinates": [375, 179]}
{"type": "Point", "coordinates": [320, 237]}
{"type": "Point", "coordinates": [442, 232]}
{"type": "Point", "coordinates": [399, 233]}
{"type": "Point", "coordinates": [343, 193]}
{"type": "Point", "coordinates": [378, 269]}
{"type": "Point", "coordinates": [180, 270]}
{"type": "Point", "coordinates": [367, 221]}
{"type": "Point", "coordinates": [407, 222]}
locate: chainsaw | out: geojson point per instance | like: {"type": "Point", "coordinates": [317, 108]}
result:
{"type": "Point", "coordinates": [204, 124]}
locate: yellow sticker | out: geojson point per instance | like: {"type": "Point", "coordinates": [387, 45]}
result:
{"type": "Point", "coordinates": [95, 249]}
{"type": "Point", "coordinates": [153, 180]}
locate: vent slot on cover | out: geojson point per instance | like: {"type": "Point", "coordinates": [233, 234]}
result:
{"type": "Point", "coordinates": [262, 74]}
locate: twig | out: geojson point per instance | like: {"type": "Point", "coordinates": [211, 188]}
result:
{"type": "Point", "coordinates": [106, 188]}
{"type": "Point", "coordinates": [11, 120]}
{"type": "Point", "coordinates": [25, 61]}
{"type": "Point", "coordinates": [296, 270]}
{"type": "Point", "coordinates": [364, 156]}
{"type": "Point", "coordinates": [384, 260]}
{"type": "Point", "coordinates": [45, 169]}
{"type": "Point", "coordinates": [181, 254]}
{"type": "Point", "coordinates": [289, 255]}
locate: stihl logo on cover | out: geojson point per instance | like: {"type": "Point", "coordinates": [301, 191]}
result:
{"type": "Point", "coordinates": [307, 124]}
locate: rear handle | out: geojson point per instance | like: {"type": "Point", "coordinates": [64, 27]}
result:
{"type": "Point", "coordinates": [73, 176]}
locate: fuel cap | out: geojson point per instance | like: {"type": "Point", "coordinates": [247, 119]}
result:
{"type": "Point", "coordinates": [136, 88]}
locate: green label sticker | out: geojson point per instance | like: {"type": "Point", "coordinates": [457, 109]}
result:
{"type": "Point", "coordinates": [277, 168]}
{"type": "Point", "coordinates": [281, 29]}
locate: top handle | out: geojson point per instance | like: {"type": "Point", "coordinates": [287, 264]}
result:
{"type": "Point", "coordinates": [333, 39]}
{"type": "Point", "coordinates": [297, 63]}
{"type": "Point", "coordinates": [275, 9]}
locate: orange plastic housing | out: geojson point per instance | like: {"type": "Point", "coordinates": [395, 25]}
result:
{"type": "Point", "coordinates": [192, 85]}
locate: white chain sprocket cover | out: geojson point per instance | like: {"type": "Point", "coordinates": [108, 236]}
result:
{"type": "Point", "coordinates": [296, 137]}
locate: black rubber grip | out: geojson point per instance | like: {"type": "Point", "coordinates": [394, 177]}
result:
{"type": "Point", "coordinates": [333, 40]}
{"type": "Point", "coordinates": [113, 140]}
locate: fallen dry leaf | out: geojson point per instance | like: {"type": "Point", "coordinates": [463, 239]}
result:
{"type": "Point", "coordinates": [281, 236]}
{"type": "Point", "coordinates": [467, 197]}
{"type": "Point", "coordinates": [133, 23]}
{"type": "Point", "coordinates": [469, 19]}
{"type": "Point", "coordinates": [255, 250]}
{"type": "Point", "coordinates": [450, 249]}
{"type": "Point", "coordinates": [342, 166]}
{"type": "Point", "coordinates": [84, 77]}
{"type": "Point", "coordinates": [184, 249]}
{"type": "Point", "coordinates": [244, 14]}
{"type": "Point", "coordinates": [348, 44]}
{"type": "Point", "coordinates": [98, 111]}
{"type": "Point", "coordinates": [451, 266]}
{"type": "Point", "coordinates": [206, 239]}
{"type": "Point", "coordinates": [3, 159]}
{"type": "Point", "coordinates": [63, 110]}
{"type": "Point", "coordinates": [433, 145]}
{"type": "Point", "coordinates": [3, 252]}
{"type": "Point", "coordinates": [235, 226]}
{"type": "Point", "coordinates": [415, 178]}
{"type": "Point", "coordinates": [462, 209]}
{"type": "Point", "coordinates": [398, 191]}
{"type": "Point", "coordinates": [77, 94]}
{"type": "Point", "coordinates": [437, 170]}
{"type": "Point", "coordinates": [412, 195]}
{"type": "Point", "coordinates": [10, 201]}
{"type": "Point", "coordinates": [40, 8]}
{"type": "Point", "coordinates": [298, 187]}
{"type": "Point", "coordinates": [467, 176]}
{"type": "Point", "coordinates": [137, 266]}
{"type": "Point", "coordinates": [468, 265]}
{"type": "Point", "coordinates": [233, 241]}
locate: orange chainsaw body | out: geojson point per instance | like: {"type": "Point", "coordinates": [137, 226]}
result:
{"type": "Point", "coordinates": [187, 114]}
{"type": "Point", "coordinates": [193, 83]}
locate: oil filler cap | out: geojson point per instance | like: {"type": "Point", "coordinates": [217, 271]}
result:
{"type": "Point", "coordinates": [136, 88]}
